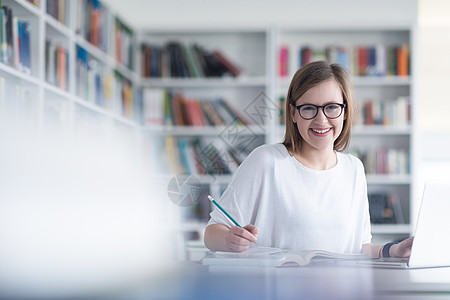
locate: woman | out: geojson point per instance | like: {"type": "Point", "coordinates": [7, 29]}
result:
{"type": "Point", "coordinates": [304, 193]}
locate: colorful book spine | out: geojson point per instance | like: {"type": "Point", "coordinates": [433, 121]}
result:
{"type": "Point", "coordinates": [123, 44]}
{"type": "Point", "coordinates": [368, 60]}
{"type": "Point", "coordinates": [283, 61]}
{"type": "Point", "coordinates": [175, 59]}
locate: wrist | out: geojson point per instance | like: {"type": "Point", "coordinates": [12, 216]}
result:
{"type": "Point", "coordinates": [393, 250]}
{"type": "Point", "coordinates": [389, 250]}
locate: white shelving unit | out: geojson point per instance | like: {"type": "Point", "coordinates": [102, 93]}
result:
{"type": "Point", "coordinates": [51, 99]}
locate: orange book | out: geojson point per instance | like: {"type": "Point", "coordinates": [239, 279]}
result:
{"type": "Point", "coordinates": [403, 60]}
{"type": "Point", "coordinates": [95, 27]}
{"type": "Point", "coordinates": [62, 68]}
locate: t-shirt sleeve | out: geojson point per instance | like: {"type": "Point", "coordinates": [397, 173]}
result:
{"type": "Point", "coordinates": [241, 196]}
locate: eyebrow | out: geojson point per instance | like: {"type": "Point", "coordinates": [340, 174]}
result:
{"type": "Point", "coordinates": [326, 103]}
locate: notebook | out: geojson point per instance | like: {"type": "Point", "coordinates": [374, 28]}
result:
{"type": "Point", "coordinates": [431, 245]}
{"type": "Point", "coordinates": [274, 257]}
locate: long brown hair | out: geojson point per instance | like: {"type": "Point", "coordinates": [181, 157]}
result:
{"type": "Point", "coordinates": [307, 77]}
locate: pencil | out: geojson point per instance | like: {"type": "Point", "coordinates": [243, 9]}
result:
{"type": "Point", "coordinates": [223, 210]}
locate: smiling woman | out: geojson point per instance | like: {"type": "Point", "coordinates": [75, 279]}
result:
{"type": "Point", "coordinates": [305, 184]}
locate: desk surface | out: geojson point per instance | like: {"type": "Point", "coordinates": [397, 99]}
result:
{"type": "Point", "coordinates": [320, 281]}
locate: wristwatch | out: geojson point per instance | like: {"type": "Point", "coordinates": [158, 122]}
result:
{"type": "Point", "coordinates": [386, 247]}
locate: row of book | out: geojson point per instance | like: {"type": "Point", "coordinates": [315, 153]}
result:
{"type": "Point", "coordinates": [385, 208]}
{"type": "Point", "coordinates": [162, 107]}
{"type": "Point", "coordinates": [384, 112]}
{"type": "Point", "coordinates": [389, 112]}
{"type": "Point", "coordinates": [58, 10]}
{"type": "Point", "coordinates": [175, 59]}
{"type": "Point", "coordinates": [384, 161]}
{"type": "Point", "coordinates": [56, 62]}
{"type": "Point", "coordinates": [101, 86]}
{"type": "Point", "coordinates": [124, 96]}
{"type": "Point", "coordinates": [171, 155]}
{"type": "Point", "coordinates": [92, 23]}
{"type": "Point", "coordinates": [373, 60]}
{"type": "Point", "coordinates": [124, 40]}
{"type": "Point", "coordinates": [15, 41]}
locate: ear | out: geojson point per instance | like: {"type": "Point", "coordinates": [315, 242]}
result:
{"type": "Point", "coordinates": [292, 112]}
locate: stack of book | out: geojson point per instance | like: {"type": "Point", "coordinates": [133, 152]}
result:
{"type": "Point", "coordinates": [171, 155]}
{"type": "Point", "coordinates": [123, 38]}
{"type": "Point", "coordinates": [124, 96]}
{"type": "Point", "coordinates": [56, 62]}
{"type": "Point", "coordinates": [389, 112]}
{"type": "Point", "coordinates": [178, 60]}
{"type": "Point", "coordinates": [15, 41]}
{"type": "Point", "coordinates": [384, 161]}
{"type": "Point", "coordinates": [162, 107]}
{"type": "Point", "coordinates": [57, 9]}
{"type": "Point", "coordinates": [93, 23]}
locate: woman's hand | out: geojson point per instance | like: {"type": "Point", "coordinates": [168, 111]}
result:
{"type": "Point", "coordinates": [402, 249]}
{"type": "Point", "coordinates": [239, 239]}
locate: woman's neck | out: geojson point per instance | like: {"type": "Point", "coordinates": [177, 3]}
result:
{"type": "Point", "coordinates": [317, 159]}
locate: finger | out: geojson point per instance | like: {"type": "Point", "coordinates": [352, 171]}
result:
{"type": "Point", "coordinates": [252, 229]}
{"type": "Point", "coordinates": [245, 234]}
{"type": "Point", "coordinates": [238, 240]}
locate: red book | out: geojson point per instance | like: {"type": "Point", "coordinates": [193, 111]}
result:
{"type": "Point", "coordinates": [283, 61]}
{"type": "Point", "coordinates": [368, 113]}
{"type": "Point", "coordinates": [232, 68]}
{"type": "Point", "coordinates": [363, 60]}
{"type": "Point", "coordinates": [306, 56]}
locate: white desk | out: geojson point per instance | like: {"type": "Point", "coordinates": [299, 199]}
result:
{"type": "Point", "coordinates": [331, 281]}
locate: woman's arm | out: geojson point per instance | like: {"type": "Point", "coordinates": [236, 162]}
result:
{"type": "Point", "coordinates": [218, 237]}
{"type": "Point", "coordinates": [402, 249]}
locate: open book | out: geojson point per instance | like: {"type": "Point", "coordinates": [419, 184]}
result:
{"type": "Point", "coordinates": [274, 257]}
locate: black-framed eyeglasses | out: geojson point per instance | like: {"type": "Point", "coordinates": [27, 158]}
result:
{"type": "Point", "coordinates": [330, 110]}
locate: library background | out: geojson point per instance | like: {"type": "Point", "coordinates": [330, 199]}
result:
{"type": "Point", "coordinates": [195, 100]}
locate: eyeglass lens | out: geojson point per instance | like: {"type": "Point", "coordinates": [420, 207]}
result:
{"type": "Point", "coordinates": [330, 110]}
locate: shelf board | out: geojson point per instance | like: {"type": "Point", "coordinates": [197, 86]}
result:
{"type": "Point", "coordinates": [56, 90]}
{"type": "Point", "coordinates": [25, 5]}
{"type": "Point", "coordinates": [365, 81]}
{"type": "Point", "coordinates": [205, 82]}
{"type": "Point", "coordinates": [15, 74]}
{"type": "Point", "coordinates": [105, 112]}
{"type": "Point", "coordinates": [98, 53]}
{"type": "Point", "coordinates": [388, 179]}
{"type": "Point", "coordinates": [125, 71]}
{"type": "Point", "coordinates": [192, 225]}
{"type": "Point", "coordinates": [381, 130]}
{"type": "Point", "coordinates": [364, 130]}
{"type": "Point", "coordinates": [391, 229]}
{"type": "Point", "coordinates": [201, 130]}
{"type": "Point", "coordinates": [58, 26]}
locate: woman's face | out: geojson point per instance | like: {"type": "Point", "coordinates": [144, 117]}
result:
{"type": "Point", "coordinates": [321, 131]}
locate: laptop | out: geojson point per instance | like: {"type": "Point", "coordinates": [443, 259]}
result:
{"type": "Point", "coordinates": [431, 245]}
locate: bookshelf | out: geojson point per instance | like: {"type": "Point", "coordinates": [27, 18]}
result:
{"type": "Point", "coordinates": [81, 78]}
{"type": "Point", "coordinates": [68, 63]}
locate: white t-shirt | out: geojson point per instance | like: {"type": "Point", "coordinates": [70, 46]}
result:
{"type": "Point", "coordinates": [296, 207]}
